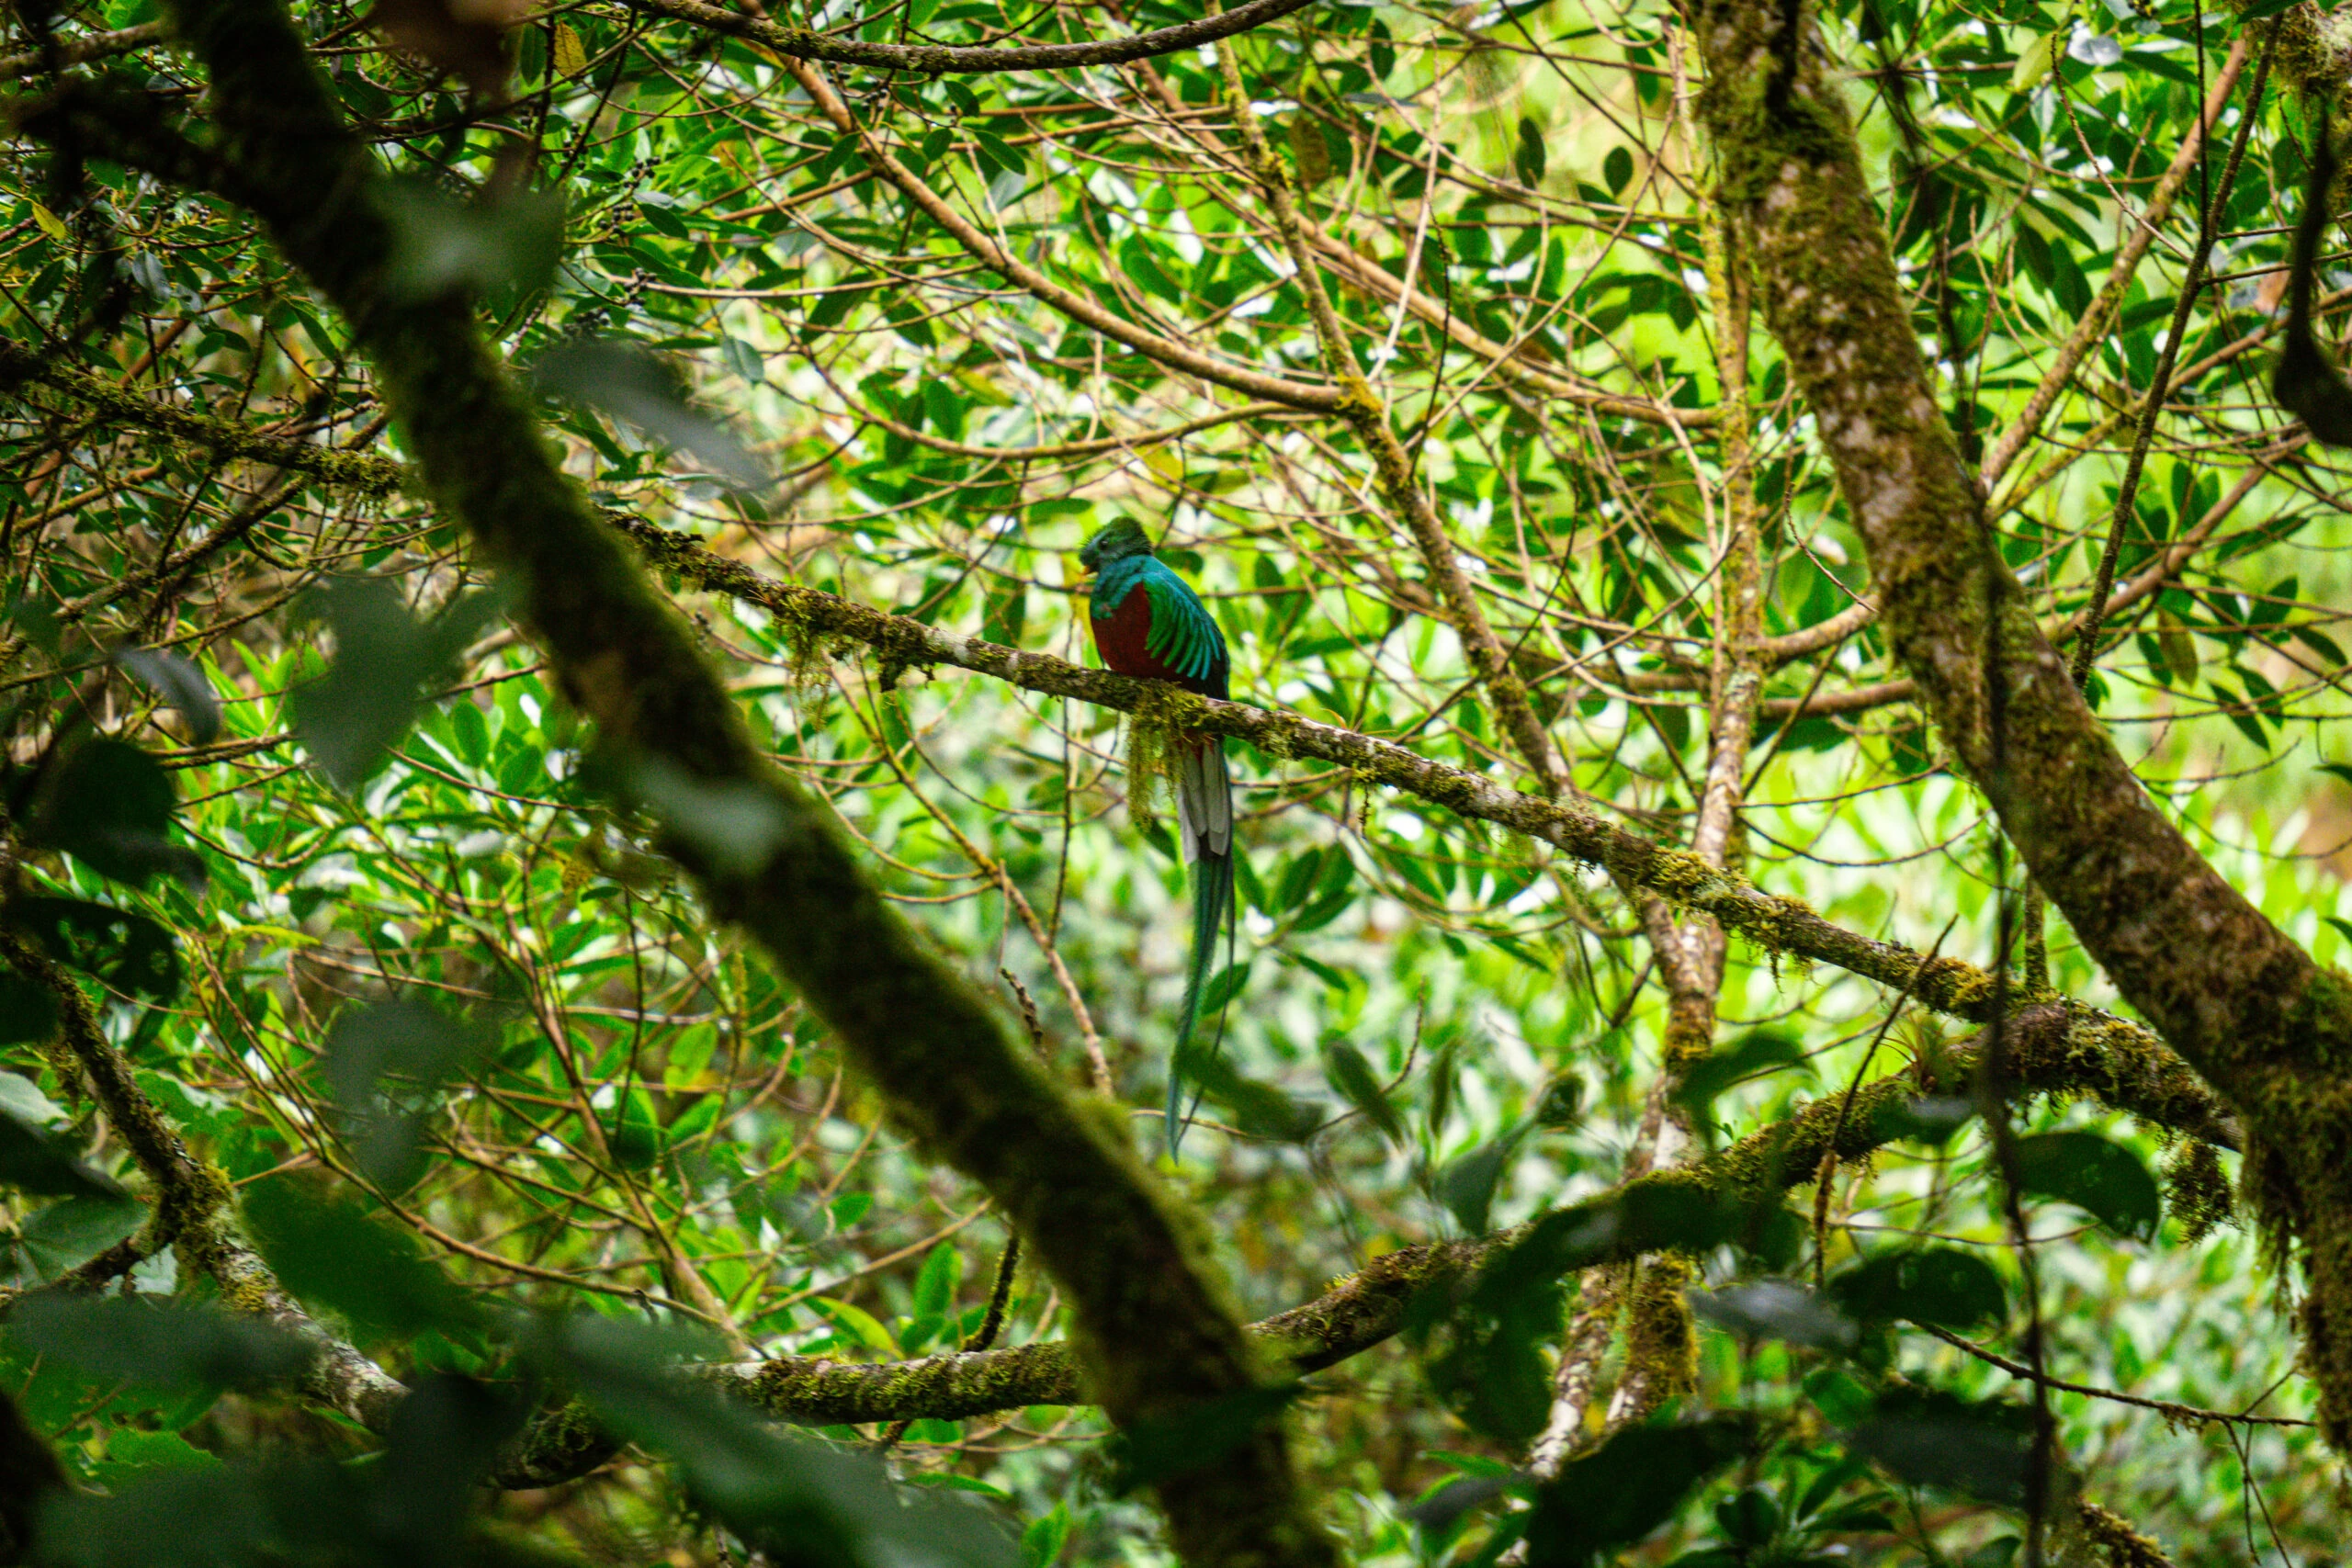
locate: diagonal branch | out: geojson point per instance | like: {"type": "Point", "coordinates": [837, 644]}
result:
{"type": "Point", "coordinates": [1357, 1313]}
{"type": "Point", "coordinates": [949, 60]}
{"type": "Point", "coordinates": [1155, 1332]}
{"type": "Point", "coordinates": [2241, 1002]}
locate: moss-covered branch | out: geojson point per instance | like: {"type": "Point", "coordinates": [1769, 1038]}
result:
{"type": "Point", "coordinates": [21, 369]}
{"type": "Point", "coordinates": [1363, 1310]}
{"type": "Point", "coordinates": [1154, 1333]}
{"type": "Point", "coordinates": [2242, 1003]}
{"type": "Point", "coordinates": [192, 1210]}
{"type": "Point", "coordinates": [1783, 927]}
{"type": "Point", "coordinates": [83, 51]}
{"type": "Point", "coordinates": [946, 59]}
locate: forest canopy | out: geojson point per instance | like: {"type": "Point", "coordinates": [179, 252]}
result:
{"type": "Point", "coordinates": [593, 931]}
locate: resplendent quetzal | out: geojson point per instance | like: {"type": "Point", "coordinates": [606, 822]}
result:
{"type": "Point", "coordinates": [1148, 622]}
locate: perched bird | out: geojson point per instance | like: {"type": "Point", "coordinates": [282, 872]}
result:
{"type": "Point", "coordinates": [1147, 621]}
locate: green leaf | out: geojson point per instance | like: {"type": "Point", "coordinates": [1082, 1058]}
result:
{"type": "Point", "coordinates": [2102, 1179]}
{"type": "Point", "coordinates": [1931, 1438]}
{"type": "Point", "coordinates": [1617, 169]}
{"type": "Point", "coordinates": [1347, 1070]}
{"type": "Point", "coordinates": [1042, 1542]}
{"type": "Point", "coordinates": [1754, 1053]}
{"type": "Point", "coordinates": [162, 1344]}
{"type": "Point", "coordinates": [935, 1286]}
{"type": "Point", "coordinates": [65, 1235]}
{"type": "Point", "coordinates": [22, 1099]}
{"type": "Point", "coordinates": [857, 1324]}
{"type": "Point", "coordinates": [1528, 158]}
{"type": "Point", "coordinates": [1945, 1287]}
{"type": "Point", "coordinates": [332, 1254]}
{"type": "Point", "coordinates": [110, 805]}
{"type": "Point", "coordinates": [1622, 1492]}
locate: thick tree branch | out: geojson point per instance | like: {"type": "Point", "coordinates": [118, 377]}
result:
{"type": "Point", "coordinates": [1153, 1328]}
{"type": "Point", "coordinates": [952, 59]}
{"type": "Point", "coordinates": [1363, 1310]}
{"type": "Point", "coordinates": [83, 51]}
{"type": "Point", "coordinates": [2240, 1001]}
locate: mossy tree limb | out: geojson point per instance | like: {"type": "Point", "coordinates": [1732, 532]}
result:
{"type": "Point", "coordinates": [192, 1209]}
{"type": "Point", "coordinates": [1153, 1330]}
{"type": "Point", "coordinates": [1358, 1311]}
{"type": "Point", "coordinates": [2246, 1006]}
{"type": "Point", "coordinates": [943, 59]}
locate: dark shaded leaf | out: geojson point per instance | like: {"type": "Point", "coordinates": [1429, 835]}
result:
{"type": "Point", "coordinates": [1629, 1487]}
{"type": "Point", "coordinates": [440, 244]}
{"type": "Point", "coordinates": [1441, 1508]}
{"type": "Point", "coordinates": [383, 656]}
{"type": "Point", "coordinates": [1944, 1286]}
{"type": "Point", "coordinates": [129, 952]}
{"type": "Point", "coordinates": [1351, 1075]}
{"type": "Point", "coordinates": [32, 1161]}
{"type": "Point", "coordinates": [161, 1342]}
{"type": "Point", "coordinates": [1932, 1438]}
{"type": "Point", "coordinates": [2102, 1179]}
{"type": "Point", "coordinates": [1466, 1184]}
{"type": "Point", "coordinates": [1152, 1452]}
{"type": "Point", "coordinates": [1777, 1309]}
{"type": "Point", "coordinates": [110, 805]}
{"type": "Point", "coordinates": [1931, 1119]}
{"type": "Point", "coordinates": [629, 382]}
{"type": "Point", "coordinates": [330, 1253]}
{"type": "Point", "coordinates": [1257, 1108]}
{"type": "Point", "coordinates": [180, 684]}
{"type": "Point", "coordinates": [418, 1046]}
{"type": "Point", "coordinates": [27, 1013]}
{"type": "Point", "coordinates": [731, 826]}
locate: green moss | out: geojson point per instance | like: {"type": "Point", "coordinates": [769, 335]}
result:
{"type": "Point", "coordinates": [2197, 1192]}
{"type": "Point", "coordinates": [1661, 1341]}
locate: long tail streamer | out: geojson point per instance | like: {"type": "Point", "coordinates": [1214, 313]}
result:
{"type": "Point", "coordinates": [1204, 818]}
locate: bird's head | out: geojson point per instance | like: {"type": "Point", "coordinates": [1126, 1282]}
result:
{"type": "Point", "coordinates": [1121, 539]}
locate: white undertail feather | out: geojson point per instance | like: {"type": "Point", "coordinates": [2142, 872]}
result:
{"type": "Point", "coordinates": [1204, 801]}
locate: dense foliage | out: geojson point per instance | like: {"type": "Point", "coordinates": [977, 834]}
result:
{"type": "Point", "coordinates": [306, 837]}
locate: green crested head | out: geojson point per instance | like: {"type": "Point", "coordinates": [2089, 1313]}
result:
{"type": "Point", "coordinates": [1121, 539]}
